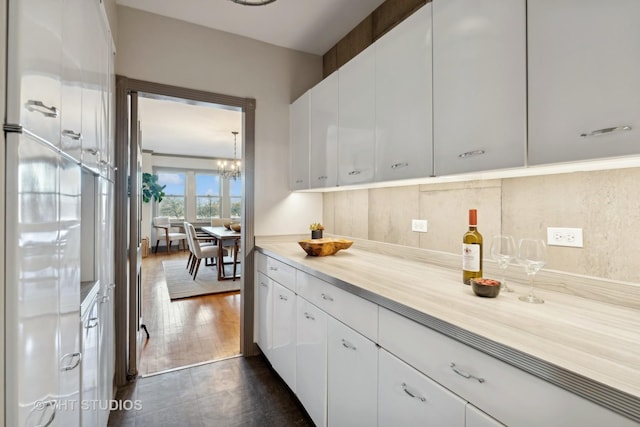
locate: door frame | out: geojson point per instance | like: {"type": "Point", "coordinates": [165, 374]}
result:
{"type": "Point", "coordinates": [127, 253]}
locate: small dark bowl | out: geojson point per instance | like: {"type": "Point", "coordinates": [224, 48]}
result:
{"type": "Point", "coordinates": [485, 290]}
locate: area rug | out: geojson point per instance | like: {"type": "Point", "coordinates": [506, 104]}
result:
{"type": "Point", "coordinates": [181, 285]}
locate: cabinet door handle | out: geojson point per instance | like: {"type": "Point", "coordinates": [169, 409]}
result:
{"type": "Point", "coordinates": [264, 284]}
{"type": "Point", "coordinates": [299, 181]}
{"type": "Point", "coordinates": [415, 396]}
{"type": "Point", "coordinates": [399, 165]}
{"type": "Point", "coordinates": [42, 406]}
{"type": "Point", "coordinates": [284, 298]}
{"type": "Point", "coordinates": [71, 134]}
{"type": "Point", "coordinates": [323, 177]}
{"type": "Point", "coordinates": [273, 268]}
{"type": "Point", "coordinates": [347, 344]}
{"type": "Point", "coordinates": [606, 131]}
{"type": "Point", "coordinates": [473, 153]}
{"type": "Point", "coordinates": [104, 299]}
{"type": "Point", "coordinates": [71, 356]}
{"type": "Point", "coordinates": [355, 172]}
{"type": "Point", "coordinates": [308, 316]}
{"type": "Point", "coordinates": [326, 297]}
{"type": "Point", "coordinates": [92, 325]}
{"type": "Point", "coordinates": [92, 151]}
{"type": "Point", "coordinates": [39, 107]}
{"type": "Point", "coordinates": [465, 374]}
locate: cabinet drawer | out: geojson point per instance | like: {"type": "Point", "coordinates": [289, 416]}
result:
{"type": "Point", "coordinates": [408, 398]}
{"type": "Point", "coordinates": [357, 313]}
{"type": "Point", "coordinates": [281, 273]}
{"type": "Point", "coordinates": [509, 394]}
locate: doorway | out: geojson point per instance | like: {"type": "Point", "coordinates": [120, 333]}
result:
{"type": "Point", "coordinates": [130, 331]}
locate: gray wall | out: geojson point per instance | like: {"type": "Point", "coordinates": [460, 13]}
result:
{"type": "Point", "coordinates": [164, 50]}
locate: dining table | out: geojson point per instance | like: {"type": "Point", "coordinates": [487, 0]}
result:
{"type": "Point", "coordinates": [222, 234]}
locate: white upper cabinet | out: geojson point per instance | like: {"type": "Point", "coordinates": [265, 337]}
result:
{"type": "Point", "coordinates": [299, 142]}
{"type": "Point", "coordinates": [34, 67]}
{"type": "Point", "coordinates": [584, 90]}
{"type": "Point", "coordinates": [403, 123]}
{"type": "Point", "coordinates": [324, 133]}
{"type": "Point", "coordinates": [479, 85]}
{"type": "Point", "coordinates": [72, 75]}
{"type": "Point", "coordinates": [357, 115]}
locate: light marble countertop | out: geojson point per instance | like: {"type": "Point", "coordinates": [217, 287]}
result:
{"type": "Point", "coordinates": [592, 339]}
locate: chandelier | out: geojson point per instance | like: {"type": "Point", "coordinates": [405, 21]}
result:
{"type": "Point", "coordinates": [253, 2]}
{"type": "Point", "coordinates": [226, 169]}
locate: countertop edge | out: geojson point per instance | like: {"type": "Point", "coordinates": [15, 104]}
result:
{"type": "Point", "coordinates": [611, 398]}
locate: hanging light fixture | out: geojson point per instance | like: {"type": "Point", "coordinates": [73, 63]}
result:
{"type": "Point", "coordinates": [228, 170]}
{"type": "Point", "coordinates": [253, 2]}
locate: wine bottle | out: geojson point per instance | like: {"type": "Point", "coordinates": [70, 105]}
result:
{"type": "Point", "coordinates": [471, 250]}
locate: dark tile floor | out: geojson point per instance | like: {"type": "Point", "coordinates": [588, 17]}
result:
{"type": "Point", "coordinates": [241, 391]}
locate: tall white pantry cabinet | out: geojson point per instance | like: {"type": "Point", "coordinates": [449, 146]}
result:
{"type": "Point", "coordinates": [58, 220]}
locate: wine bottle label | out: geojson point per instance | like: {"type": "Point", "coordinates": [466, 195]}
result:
{"type": "Point", "coordinates": [471, 257]}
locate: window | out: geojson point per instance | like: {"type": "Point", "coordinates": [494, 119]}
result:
{"type": "Point", "coordinates": [173, 204]}
{"type": "Point", "coordinates": [235, 194]}
{"type": "Point", "coordinates": [207, 196]}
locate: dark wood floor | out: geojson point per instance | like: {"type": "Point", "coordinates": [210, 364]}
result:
{"type": "Point", "coordinates": [233, 392]}
{"type": "Point", "coordinates": [186, 331]}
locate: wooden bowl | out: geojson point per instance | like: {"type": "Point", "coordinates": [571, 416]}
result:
{"type": "Point", "coordinates": [488, 288]}
{"type": "Point", "coordinates": [236, 226]}
{"type": "Point", "coordinates": [325, 246]}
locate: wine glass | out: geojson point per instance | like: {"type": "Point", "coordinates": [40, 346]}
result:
{"type": "Point", "coordinates": [503, 251]}
{"type": "Point", "coordinates": [532, 255]}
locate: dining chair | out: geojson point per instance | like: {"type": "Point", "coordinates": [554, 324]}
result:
{"type": "Point", "coordinates": [236, 251]}
{"type": "Point", "coordinates": [205, 240]}
{"type": "Point", "coordinates": [198, 251]}
{"type": "Point", "coordinates": [162, 224]}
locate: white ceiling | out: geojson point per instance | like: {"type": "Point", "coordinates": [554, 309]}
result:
{"type": "Point", "coordinates": [312, 26]}
{"type": "Point", "coordinates": [170, 126]}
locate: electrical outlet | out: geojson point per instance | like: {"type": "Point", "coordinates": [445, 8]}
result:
{"type": "Point", "coordinates": [561, 236]}
{"type": "Point", "coordinates": [419, 225]}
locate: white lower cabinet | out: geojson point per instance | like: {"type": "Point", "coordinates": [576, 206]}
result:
{"type": "Point", "coordinates": [89, 373]}
{"type": "Point", "coordinates": [265, 315]}
{"type": "Point", "coordinates": [474, 417]}
{"type": "Point", "coordinates": [283, 351]}
{"type": "Point", "coordinates": [352, 377]}
{"type": "Point", "coordinates": [409, 398]}
{"type": "Point", "coordinates": [311, 360]}
{"type": "Point", "coordinates": [511, 395]}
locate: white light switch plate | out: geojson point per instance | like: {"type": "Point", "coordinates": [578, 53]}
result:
{"type": "Point", "coordinates": [419, 225]}
{"type": "Point", "coordinates": [562, 236]}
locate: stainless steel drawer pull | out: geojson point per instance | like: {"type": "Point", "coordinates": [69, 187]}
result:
{"type": "Point", "coordinates": [308, 316]}
{"type": "Point", "coordinates": [92, 151]}
{"type": "Point", "coordinates": [326, 297]}
{"type": "Point", "coordinates": [471, 154]}
{"type": "Point", "coordinates": [273, 268]}
{"type": "Point", "coordinates": [284, 298]}
{"type": "Point", "coordinates": [71, 134]}
{"type": "Point", "coordinates": [323, 177]}
{"type": "Point", "coordinates": [606, 131]}
{"type": "Point", "coordinates": [355, 172]}
{"type": "Point", "coordinates": [465, 374]}
{"type": "Point", "coordinates": [74, 358]}
{"type": "Point", "coordinates": [299, 181]}
{"type": "Point", "coordinates": [415, 396]}
{"type": "Point", "coordinates": [264, 284]}
{"type": "Point", "coordinates": [399, 165]}
{"type": "Point", "coordinates": [347, 344]}
{"type": "Point", "coordinates": [39, 107]}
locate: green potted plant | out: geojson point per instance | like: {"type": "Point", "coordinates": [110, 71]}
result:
{"type": "Point", "coordinates": [316, 230]}
{"type": "Point", "coordinates": [151, 189]}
